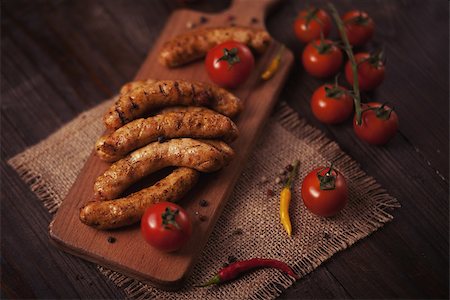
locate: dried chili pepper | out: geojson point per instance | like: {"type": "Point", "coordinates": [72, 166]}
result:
{"type": "Point", "coordinates": [285, 200]}
{"type": "Point", "coordinates": [273, 66]}
{"type": "Point", "coordinates": [235, 269]}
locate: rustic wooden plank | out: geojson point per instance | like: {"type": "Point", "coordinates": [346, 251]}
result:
{"type": "Point", "coordinates": [73, 236]}
{"type": "Point", "coordinates": [320, 284]}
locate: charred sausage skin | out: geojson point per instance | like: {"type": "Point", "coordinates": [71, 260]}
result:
{"type": "Point", "coordinates": [140, 98]}
{"type": "Point", "coordinates": [178, 122]}
{"type": "Point", "coordinates": [201, 155]}
{"type": "Point", "coordinates": [129, 210]}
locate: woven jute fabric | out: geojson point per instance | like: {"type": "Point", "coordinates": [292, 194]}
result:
{"type": "Point", "coordinates": [249, 225]}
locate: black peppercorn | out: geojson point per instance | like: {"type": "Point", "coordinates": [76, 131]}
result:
{"type": "Point", "coordinates": [203, 203]}
{"type": "Point", "coordinates": [111, 239]}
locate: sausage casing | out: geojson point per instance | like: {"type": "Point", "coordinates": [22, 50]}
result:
{"type": "Point", "coordinates": [201, 155]}
{"type": "Point", "coordinates": [129, 210]}
{"type": "Point", "coordinates": [178, 122]}
{"type": "Point", "coordinates": [194, 44]}
{"type": "Point", "coordinates": [134, 84]}
{"type": "Point", "coordinates": [142, 98]}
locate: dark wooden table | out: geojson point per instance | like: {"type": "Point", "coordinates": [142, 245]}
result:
{"type": "Point", "coordinates": [60, 58]}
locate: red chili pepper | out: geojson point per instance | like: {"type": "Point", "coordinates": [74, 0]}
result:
{"type": "Point", "coordinates": [235, 269]}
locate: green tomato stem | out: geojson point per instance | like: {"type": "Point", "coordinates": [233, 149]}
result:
{"type": "Point", "coordinates": [351, 57]}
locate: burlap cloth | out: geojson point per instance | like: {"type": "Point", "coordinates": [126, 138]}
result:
{"type": "Point", "coordinates": [51, 167]}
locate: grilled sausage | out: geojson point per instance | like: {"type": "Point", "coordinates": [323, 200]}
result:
{"type": "Point", "coordinates": [129, 210]}
{"type": "Point", "coordinates": [134, 84]}
{"type": "Point", "coordinates": [202, 155]}
{"type": "Point", "coordinates": [194, 44]}
{"type": "Point", "coordinates": [157, 94]}
{"type": "Point", "coordinates": [181, 122]}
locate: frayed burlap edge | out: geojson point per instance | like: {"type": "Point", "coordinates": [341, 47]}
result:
{"type": "Point", "coordinates": [290, 121]}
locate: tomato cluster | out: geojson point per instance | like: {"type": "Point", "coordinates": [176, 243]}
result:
{"type": "Point", "coordinates": [374, 123]}
{"type": "Point", "coordinates": [324, 190]}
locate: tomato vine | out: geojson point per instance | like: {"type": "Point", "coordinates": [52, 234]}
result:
{"type": "Point", "coordinates": [348, 49]}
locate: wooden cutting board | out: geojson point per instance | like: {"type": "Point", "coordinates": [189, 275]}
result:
{"type": "Point", "coordinates": [130, 255]}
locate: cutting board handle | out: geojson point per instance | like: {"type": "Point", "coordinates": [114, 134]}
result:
{"type": "Point", "coordinates": [253, 8]}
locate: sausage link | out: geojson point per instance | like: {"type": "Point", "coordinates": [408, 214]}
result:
{"type": "Point", "coordinates": [179, 122]}
{"type": "Point", "coordinates": [201, 155]}
{"type": "Point", "coordinates": [142, 98]}
{"type": "Point", "coordinates": [194, 44]}
{"type": "Point", "coordinates": [134, 84]}
{"type": "Point", "coordinates": [129, 210]}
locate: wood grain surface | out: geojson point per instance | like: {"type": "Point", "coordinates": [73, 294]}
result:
{"type": "Point", "coordinates": [59, 58]}
{"type": "Point", "coordinates": [131, 255]}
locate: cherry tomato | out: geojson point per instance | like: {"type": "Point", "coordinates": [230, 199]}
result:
{"type": "Point", "coordinates": [310, 23]}
{"type": "Point", "coordinates": [229, 64]}
{"type": "Point", "coordinates": [322, 58]}
{"type": "Point", "coordinates": [378, 124]}
{"type": "Point", "coordinates": [331, 104]}
{"type": "Point", "coordinates": [324, 191]}
{"type": "Point", "coordinates": [359, 27]}
{"type": "Point", "coordinates": [166, 226]}
{"type": "Point", "coordinates": [370, 71]}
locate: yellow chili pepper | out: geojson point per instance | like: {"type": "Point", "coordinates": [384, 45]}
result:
{"type": "Point", "coordinates": [274, 65]}
{"type": "Point", "coordinates": [285, 200]}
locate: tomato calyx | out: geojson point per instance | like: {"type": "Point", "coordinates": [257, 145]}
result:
{"type": "Point", "coordinates": [323, 46]}
{"type": "Point", "coordinates": [312, 15]}
{"type": "Point", "coordinates": [336, 91]}
{"type": "Point", "coordinates": [230, 56]}
{"type": "Point", "coordinates": [168, 218]}
{"type": "Point", "coordinates": [376, 59]}
{"type": "Point", "coordinates": [327, 181]}
{"type": "Point", "coordinates": [381, 112]}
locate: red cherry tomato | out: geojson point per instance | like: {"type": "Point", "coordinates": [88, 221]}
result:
{"type": "Point", "coordinates": [324, 191]}
{"type": "Point", "coordinates": [378, 124]}
{"type": "Point", "coordinates": [331, 104]}
{"type": "Point", "coordinates": [166, 226]}
{"type": "Point", "coordinates": [322, 59]}
{"type": "Point", "coordinates": [359, 27]}
{"type": "Point", "coordinates": [370, 71]}
{"type": "Point", "coordinates": [229, 64]}
{"type": "Point", "coordinates": [310, 23]}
